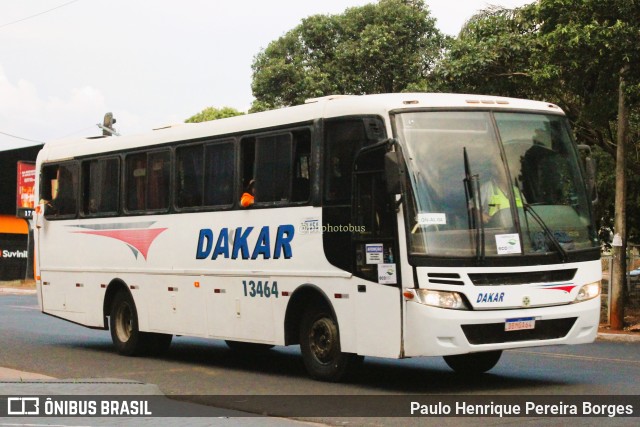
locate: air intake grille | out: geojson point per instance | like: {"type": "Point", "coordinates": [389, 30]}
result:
{"type": "Point", "coordinates": [445, 279]}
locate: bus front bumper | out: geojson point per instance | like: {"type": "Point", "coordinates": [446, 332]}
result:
{"type": "Point", "coordinates": [432, 331]}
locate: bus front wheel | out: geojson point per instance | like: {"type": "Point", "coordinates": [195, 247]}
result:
{"type": "Point", "coordinates": [320, 346]}
{"type": "Point", "coordinates": [473, 363]}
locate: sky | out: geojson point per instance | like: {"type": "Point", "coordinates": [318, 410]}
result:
{"type": "Point", "coordinates": [65, 63]}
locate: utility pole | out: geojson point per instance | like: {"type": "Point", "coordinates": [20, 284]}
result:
{"type": "Point", "coordinates": [619, 273]}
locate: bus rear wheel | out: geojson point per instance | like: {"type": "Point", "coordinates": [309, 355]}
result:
{"type": "Point", "coordinates": [125, 334]}
{"type": "Point", "coordinates": [473, 363]}
{"type": "Point", "coordinates": [123, 323]}
{"type": "Point", "coordinates": [320, 346]}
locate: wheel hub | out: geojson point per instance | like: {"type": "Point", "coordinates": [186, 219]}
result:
{"type": "Point", "coordinates": [322, 340]}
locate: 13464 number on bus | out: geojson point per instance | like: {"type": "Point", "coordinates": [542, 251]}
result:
{"type": "Point", "coordinates": [253, 288]}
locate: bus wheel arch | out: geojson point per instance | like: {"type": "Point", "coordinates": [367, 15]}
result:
{"type": "Point", "coordinates": [312, 322]}
{"type": "Point", "coordinates": [307, 295]}
{"type": "Point", "coordinates": [127, 338]}
{"type": "Point", "coordinates": [114, 287]}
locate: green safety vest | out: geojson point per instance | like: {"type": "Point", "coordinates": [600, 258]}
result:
{"type": "Point", "coordinates": [498, 200]}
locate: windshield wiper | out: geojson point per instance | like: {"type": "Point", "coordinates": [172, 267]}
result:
{"type": "Point", "coordinates": [472, 193]}
{"type": "Point", "coordinates": [547, 231]}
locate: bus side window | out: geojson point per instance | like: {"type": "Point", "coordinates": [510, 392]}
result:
{"type": "Point", "coordinates": [219, 173]}
{"type": "Point", "coordinates": [158, 180]}
{"type": "Point", "coordinates": [301, 184]}
{"type": "Point", "coordinates": [343, 139]}
{"type": "Point", "coordinates": [135, 181]}
{"type": "Point", "coordinates": [268, 160]}
{"type": "Point", "coordinates": [147, 181]}
{"type": "Point", "coordinates": [189, 171]}
{"type": "Point", "coordinates": [59, 183]}
{"type": "Point", "coordinates": [100, 186]}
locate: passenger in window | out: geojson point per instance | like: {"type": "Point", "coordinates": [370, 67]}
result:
{"type": "Point", "coordinates": [248, 196]}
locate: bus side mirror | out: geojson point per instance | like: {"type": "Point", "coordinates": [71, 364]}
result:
{"type": "Point", "coordinates": [392, 172]}
{"type": "Point", "coordinates": [590, 169]}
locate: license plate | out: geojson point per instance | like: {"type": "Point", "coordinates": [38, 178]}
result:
{"type": "Point", "coordinates": [520, 324]}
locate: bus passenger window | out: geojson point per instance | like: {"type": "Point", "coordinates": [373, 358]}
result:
{"type": "Point", "coordinates": [301, 184]}
{"type": "Point", "coordinates": [100, 186]}
{"type": "Point", "coordinates": [147, 181]}
{"type": "Point", "coordinates": [189, 165]}
{"type": "Point", "coordinates": [158, 180]}
{"type": "Point", "coordinates": [136, 179]}
{"type": "Point", "coordinates": [219, 172]}
{"type": "Point", "coordinates": [59, 190]}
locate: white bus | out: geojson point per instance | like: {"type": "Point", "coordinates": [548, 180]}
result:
{"type": "Point", "coordinates": [393, 225]}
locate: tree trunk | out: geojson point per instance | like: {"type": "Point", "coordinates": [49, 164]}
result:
{"type": "Point", "coordinates": [619, 273]}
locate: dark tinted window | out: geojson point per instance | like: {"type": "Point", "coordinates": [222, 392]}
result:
{"type": "Point", "coordinates": [219, 173]}
{"type": "Point", "coordinates": [189, 171]}
{"type": "Point", "coordinates": [147, 181]}
{"type": "Point", "coordinates": [100, 186]}
{"type": "Point", "coordinates": [59, 189]}
{"type": "Point", "coordinates": [343, 139]}
{"type": "Point", "coordinates": [280, 166]}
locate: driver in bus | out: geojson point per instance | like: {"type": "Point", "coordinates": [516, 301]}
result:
{"type": "Point", "coordinates": [494, 196]}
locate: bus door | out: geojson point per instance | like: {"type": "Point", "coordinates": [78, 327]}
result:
{"type": "Point", "coordinates": [375, 248]}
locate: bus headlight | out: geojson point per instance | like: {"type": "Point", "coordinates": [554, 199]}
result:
{"type": "Point", "coordinates": [442, 299]}
{"type": "Point", "coordinates": [588, 291]}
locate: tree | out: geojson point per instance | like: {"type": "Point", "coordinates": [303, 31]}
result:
{"type": "Point", "coordinates": [375, 48]}
{"type": "Point", "coordinates": [590, 47]}
{"type": "Point", "coordinates": [212, 113]}
{"type": "Point", "coordinates": [490, 55]}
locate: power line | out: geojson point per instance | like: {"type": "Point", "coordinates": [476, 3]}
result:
{"type": "Point", "coordinates": [19, 137]}
{"type": "Point", "coordinates": [38, 14]}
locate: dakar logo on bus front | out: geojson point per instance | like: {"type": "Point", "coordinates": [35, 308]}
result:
{"type": "Point", "coordinates": [235, 243]}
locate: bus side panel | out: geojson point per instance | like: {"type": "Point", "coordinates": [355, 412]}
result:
{"type": "Point", "coordinates": [172, 304]}
{"type": "Point", "coordinates": [236, 315]}
{"type": "Point", "coordinates": [378, 320]}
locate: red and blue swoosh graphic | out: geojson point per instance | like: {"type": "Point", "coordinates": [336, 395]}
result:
{"type": "Point", "coordinates": [567, 287]}
{"type": "Point", "coordinates": [138, 236]}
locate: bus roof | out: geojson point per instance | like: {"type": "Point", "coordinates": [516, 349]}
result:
{"type": "Point", "coordinates": [323, 107]}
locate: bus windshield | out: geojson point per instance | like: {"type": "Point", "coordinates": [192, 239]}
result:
{"type": "Point", "coordinates": [493, 184]}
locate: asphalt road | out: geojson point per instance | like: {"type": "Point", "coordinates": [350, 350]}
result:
{"type": "Point", "coordinates": [204, 371]}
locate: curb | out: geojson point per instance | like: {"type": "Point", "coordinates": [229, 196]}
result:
{"type": "Point", "coordinates": [621, 337]}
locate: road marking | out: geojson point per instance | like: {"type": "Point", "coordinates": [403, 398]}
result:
{"type": "Point", "coordinates": [576, 357]}
{"type": "Point", "coordinates": [24, 307]}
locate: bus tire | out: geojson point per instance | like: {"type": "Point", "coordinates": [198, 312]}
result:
{"type": "Point", "coordinates": [247, 347]}
{"type": "Point", "coordinates": [123, 322]}
{"type": "Point", "coordinates": [473, 363]}
{"type": "Point", "coordinates": [320, 346]}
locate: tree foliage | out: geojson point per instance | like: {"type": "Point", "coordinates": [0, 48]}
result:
{"type": "Point", "coordinates": [212, 113]}
{"type": "Point", "coordinates": [569, 52]}
{"type": "Point", "coordinates": [490, 55]}
{"type": "Point", "coordinates": [376, 48]}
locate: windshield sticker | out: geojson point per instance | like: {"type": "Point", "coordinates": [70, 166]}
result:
{"type": "Point", "coordinates": [508, 244]}
{"type": "Point", "coordinates": [374, 253]}
{"type": "Point", "coordinates": [387, 274]}
{"type": "Point", "coordinates": [432, 218]}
